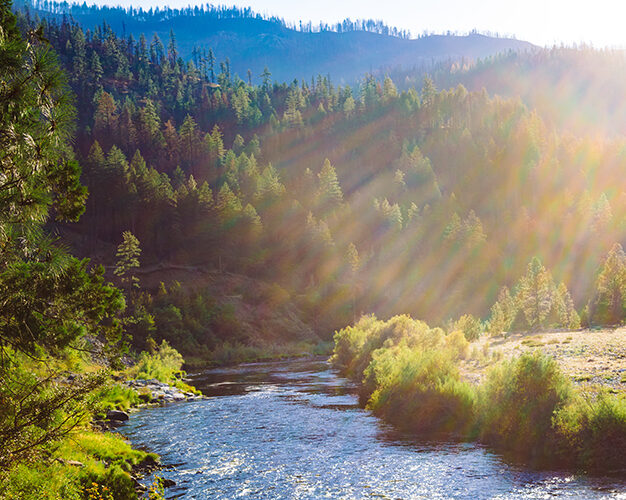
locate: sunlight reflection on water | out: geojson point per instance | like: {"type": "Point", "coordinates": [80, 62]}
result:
{"type": "Point", "coordinates": [294, 430]}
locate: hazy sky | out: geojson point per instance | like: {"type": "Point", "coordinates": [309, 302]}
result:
{"type": "Point", "coordinates": [544, 22]}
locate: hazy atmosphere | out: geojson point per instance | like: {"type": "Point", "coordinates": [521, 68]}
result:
{"type": "Point", "coordinates": [291, 251]}
{"type": "Point", "coordinates": [547, 23]}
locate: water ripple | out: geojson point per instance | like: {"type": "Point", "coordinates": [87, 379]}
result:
{"type": "Point", "coordinates": [294, 430]}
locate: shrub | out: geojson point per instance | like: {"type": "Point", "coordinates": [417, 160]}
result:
{"type": "Point", "coordinates": [164, 365]}
{"type": "Point", "coordinates": [354, 345]}
{"type": "Point", "coordinates": [419, 391]}
{"type": "Point", "coordinates": [115, 397]}
{"type": "Point", "coordinates": [457, 344]}
{"type": "Point", "coordinates": [517, 403]}
{"type": "Point", "coordinates": [592, 431]}
{"type": "Point", "coordinates": [470, 326]}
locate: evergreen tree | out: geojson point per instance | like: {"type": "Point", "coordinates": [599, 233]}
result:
{"type": "Point", "coordinates": [329, 191]}
{"type": "Point", "coordinates": [127, 255]}
{"type": "Point", "coordinates": [48, 299]}
{"type": "Point", "coordinates": [535, 294]}
{"type": "Point", "coordinates": [609, 301]}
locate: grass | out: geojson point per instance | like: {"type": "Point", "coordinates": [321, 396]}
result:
{"type": "Point", "coordinates": [85, 465]}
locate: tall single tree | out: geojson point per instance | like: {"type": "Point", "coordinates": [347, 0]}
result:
{"type": "Point", "coordinates": [609, 302]}
{"type": "Point", "coordinates": [48, 299]}
{"type": "Point", "coordinates": [535, 294]}
{"type": "Point", "coordinates": [127, 255]}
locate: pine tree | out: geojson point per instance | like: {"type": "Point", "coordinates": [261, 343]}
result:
{"type": "Point", "coordinates": [105, 117]}
{"type": "Point", "coordinates": [389, 90]}
{"type": "Point", "coordinates": [535, 294]}
{"type": "Point", "coordinates": [567, 315]}
{"type": "Point", "coordinates": [127, 255]}
{"type": "Point", "coordinates": [329, 191]}
{"type": "Point", "coordinates": [609, 301]}
{"type": "Point", "coordinates": [497, 321]}
{"type": "Point", "coordinates": [189, 142]}
{"type": "Point", "coordinates": [48, 299]}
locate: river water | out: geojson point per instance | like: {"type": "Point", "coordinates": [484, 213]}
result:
{"type": "Point", "coordinates": [294, 430]}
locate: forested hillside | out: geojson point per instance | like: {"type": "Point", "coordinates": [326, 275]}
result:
{"type": "Point", "coordinates": [348, 200]}
{"type": "Point", "coordinates": [575, 90]}
{"type": "Point", "coordinates": [252, 42]}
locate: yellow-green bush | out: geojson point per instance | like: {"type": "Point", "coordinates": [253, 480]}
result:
{"type": "Point", "coordinates": [100, 470]}
{"type": "Point", "coordinates": [354, 345]}
{"type": "Point", "coordinates": [517, 402]}
{"type": "Point", "coordinates": [591, 431]}
{"type": "Point", "coordinates": [115, 397]}
{"type": "Point", "coordinates": [471, 327]}
{"type": "Point", "coordinates": [419, 390]}
{"type": "Point", "coordinates": [526, 407]}
{"type": "Point", "coordinates": [165, 364]}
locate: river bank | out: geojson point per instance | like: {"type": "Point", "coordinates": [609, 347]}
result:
{"type": "Point", "coordinates": [510, 395]}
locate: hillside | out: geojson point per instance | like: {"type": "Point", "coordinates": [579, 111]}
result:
{"type": "Point", "coordinates": [252, 43]}
{"type": "Point", "coordinates": [578, 90]}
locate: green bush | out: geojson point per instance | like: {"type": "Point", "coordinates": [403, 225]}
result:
{"type": "Point", "coordinates": [592, 431]}
{"type": "Point", "coordinates": [525, 407]}
{"type": "Point", "coordinates": [471, 327]}
{"type": "Point", "coordinates": [419, 391]}
{"type": "Point", "coordinates": [354, 345]}
{"type": "Point", "coordinates": [457, 344]}
{"type": "Point", "coordinates": [115, 397]}
{"type": "Point", "coordinates": [517, 403]}
{"type": "Point", "coordinates": [100, 470]}
{"type": "Point", "coordinates": [164, 365]}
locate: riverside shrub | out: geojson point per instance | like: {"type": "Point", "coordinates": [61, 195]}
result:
{"type": "Point", "coordinates": [517, 403]}
{"type": "Point", "coordinates": [419, 391]}
{"type": "Point", "coordinates": [354, 345]}
{"type": "Point", "coordinates": [592, 431]}
{"type": "Point", "coordinates": [525, 407]}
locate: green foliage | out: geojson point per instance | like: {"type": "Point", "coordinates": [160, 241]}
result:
{"type": "Point", "coordinates": [37, 409]}
{"type": "Point", "coordinates": [127, 256]}
{"type": "Point", "coordinates": [164, 365]}
{"type": "Point", "coordinates": [471, 327]}
{"type": "Point", "coordinates": [517, 403]}
{"type": "Point", "coordinates": [39, 170]}
{"type": "Point", "coordinates": [525, 407]}
{"type": "Point", "coordinates": [104, 474]}
{"type": "Point", "coordinates": [354, 345]}
{"type": "Point", "coordinates": [329, 191]}
{"type": "Point", "coordinates": [230, 354]}
{"type": "Point", "coordinates": [535, 294]}
{"type": "Point", "coordinates": [457, 345]}
{"type": "Point", "coordinates": [50, 301]}
{"type": "Point", "coordinates": [115, 397]}
{"type": "Point", "coordinates": [419, 391]}
{"type": "Point", "coordinates": [608, 304]}
{"type": "Point", "coordinates": [592, 431]}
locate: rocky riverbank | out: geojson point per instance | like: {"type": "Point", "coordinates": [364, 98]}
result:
{"type": "Point", "coordinates": [151, 392]}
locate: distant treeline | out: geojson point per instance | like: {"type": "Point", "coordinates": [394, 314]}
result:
{"type": "Point", "coordinates": [212, 12]}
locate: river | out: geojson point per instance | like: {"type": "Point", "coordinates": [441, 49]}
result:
{"type": "Point", "coordinates": [294, 430]}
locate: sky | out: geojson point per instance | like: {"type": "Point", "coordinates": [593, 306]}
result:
{"type": "Point", "coordinates": [544, 22]}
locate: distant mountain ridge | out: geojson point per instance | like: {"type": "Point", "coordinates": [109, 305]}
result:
{"type": "Point", "coordinates": [253, 43]}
